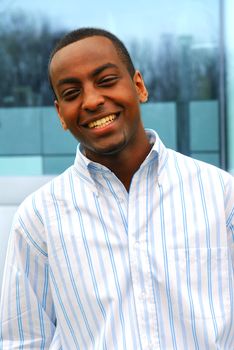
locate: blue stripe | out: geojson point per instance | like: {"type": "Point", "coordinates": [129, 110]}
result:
{"type": "Point", "coordinates": [230, 218]}
{"type": "Point", "coordinates": [178, 274]}
{"type": "Point", "coordinates": [42, 328]}
{"type": "Point", "coordinates": [123, 217]}
{"type": "Point", "coordinates": [219, 244]}
{"type": "Point", "coordinates": [192, 181]}
{"type": "Point", "coordinates": [209, 268]}
{"type": "Point", "coordinates": [45, 289]}
{"type": "Point", "coordinates": [36, 211]}
{"type": "Point", "coordinates": [27, 261]}
{"type": "Point", "coordinates": [35, 276]}
{"type": "Point", "coordinates": [19, 315]}
{"type": "Point", "coordinates": [63, 283]}
{"type": "Point", "coordinates": [69, 266]}
{"type": "Point", "coordinates": [117, 231]}
{"type": "Point", "coordinates": [87, 251]}
{"type": "Point", "coordinates": [64, 310]}
{"type": "Point", "coordinates": [114, 272]}
{"type": "Point", "coordinates": [167, 278]}
{"type": "Point", "coordinates": [31, 239]}
{"type": "Point", "coordinates": [185, 229]}
{"type": "Point", "coordinates": [81, 176]}
{"type": "Point", "coordinates": [140, 253]}
{"type": "Point", "coordinates": [101, 263]}
{"type": "Point", "coordinates": [150, 186]}
{"type": "Point", "coordinates": [28, 296]}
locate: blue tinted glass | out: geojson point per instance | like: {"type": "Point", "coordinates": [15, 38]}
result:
{"type": "Point", "coordinates": [56, 165]}
{"type": "Point", "coordinates": [162, 118]}
{"type": "Point", "coordinates": [212, 158]}
{"type": "Point", "coordinates": [20, 131]}
{"type": "Point", "coordinates": [54, 139]}
{"type": "Point", "coordinates": [21, 166]}
{"type": "Point", "coordinates": [204, 126]}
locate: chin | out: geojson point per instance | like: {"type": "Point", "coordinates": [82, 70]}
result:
{"type": "Point", "coordinates": [109, 150]}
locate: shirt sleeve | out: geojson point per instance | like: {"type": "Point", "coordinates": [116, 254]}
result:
{"type": "Point", "coordinates": [27, 312]}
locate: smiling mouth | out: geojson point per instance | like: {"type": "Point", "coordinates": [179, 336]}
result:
{"type": "Point", "coordinates": [100, 123]}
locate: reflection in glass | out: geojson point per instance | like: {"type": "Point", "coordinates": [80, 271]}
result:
{"type": "Point", "coordinates": [174, 44]}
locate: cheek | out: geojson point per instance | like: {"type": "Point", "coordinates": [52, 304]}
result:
{"type": "Point", "coordinates": [132, 100]}
{"type": "Point", "coordinates": [124, 92]}
{"type": "Point", "coordinates": [69, 114]}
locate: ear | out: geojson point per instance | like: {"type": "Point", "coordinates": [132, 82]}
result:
{"type": "Point", "coordinates": [140, 87]}
{"type": "Point", "coordinates": [63, 123]}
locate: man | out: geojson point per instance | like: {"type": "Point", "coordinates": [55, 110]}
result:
{"type": "Point", "coordinates": [132, 246]}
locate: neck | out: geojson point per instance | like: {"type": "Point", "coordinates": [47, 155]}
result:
{"type": "Point", "coordinates": [125, 163]}
{"type": "Point", "coordinates": [125, 166]}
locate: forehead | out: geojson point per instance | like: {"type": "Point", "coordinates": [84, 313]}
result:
{"type": "Point", "coordinates": [88, 52]}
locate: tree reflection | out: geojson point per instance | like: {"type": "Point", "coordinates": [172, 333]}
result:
{"type": "Point", "coordinates": [174, 68]}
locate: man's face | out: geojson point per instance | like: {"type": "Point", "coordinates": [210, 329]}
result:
{"type": "Point", "coordinates": [97, 99]}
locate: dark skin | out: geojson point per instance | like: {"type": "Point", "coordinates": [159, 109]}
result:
{"type": "Point", "coordinates": [98, 101]}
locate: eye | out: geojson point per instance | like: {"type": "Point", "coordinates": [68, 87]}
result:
{"type": "Point", "coordinates": [108, 80]}
{"type": "Point", "coordinates": [70, 94]}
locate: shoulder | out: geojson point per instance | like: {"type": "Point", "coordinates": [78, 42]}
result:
{"type": "Point", "coordinates": [192, 165]}
{"type": "Point", "coordinates": [202, 173]}
{"type": "Point", "coordinates": [31, 219]}
{"type": "Point", "coordinates": [37, 203]}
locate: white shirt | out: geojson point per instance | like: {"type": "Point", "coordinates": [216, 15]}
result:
{"type": "Point", "coordinates": [91, 266]}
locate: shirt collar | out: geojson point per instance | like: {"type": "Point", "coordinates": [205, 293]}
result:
{"type": "Point", "coordinates": [159, 149]}
{"type": "Point", "coordinates": [84, 166]}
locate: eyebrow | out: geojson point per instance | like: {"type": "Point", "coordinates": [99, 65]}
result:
{"type": "Point", "coordinates": [96, 71]}
{"type": "Point", "coordinates": [102, 68]}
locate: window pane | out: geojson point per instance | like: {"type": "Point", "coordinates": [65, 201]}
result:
{"type": "Point", "coordinates": [204, 125]}
{"type": "Point", "coordinates": [21, 166]}
{"type": "Point", "coordinates": [175, 44]}
{"type": "Point", "coordinates": [20, 131]}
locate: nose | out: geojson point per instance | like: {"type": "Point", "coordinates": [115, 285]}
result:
{"type": "Point", "coordinates": [92, 99]}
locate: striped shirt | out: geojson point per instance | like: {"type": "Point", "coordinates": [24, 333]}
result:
{"type": "Point", "coordinates": [91, 266]}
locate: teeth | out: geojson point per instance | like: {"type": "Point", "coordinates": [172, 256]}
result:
{"type": "Point", "coordinates": [102, 122]}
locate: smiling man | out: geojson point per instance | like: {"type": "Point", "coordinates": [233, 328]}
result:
{"type": "Point", "coordinates": [132, 246]}
{"type": "Point", "coordinates": [97, 99]}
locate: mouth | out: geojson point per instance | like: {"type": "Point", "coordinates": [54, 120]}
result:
{"type": "Point", "coordinates": [102, 122]}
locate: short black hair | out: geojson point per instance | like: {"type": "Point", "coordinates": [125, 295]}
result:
{"type": "Point", "coordinates": [87, 32]}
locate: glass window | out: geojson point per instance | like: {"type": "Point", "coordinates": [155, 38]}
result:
{"type": "Point", "coordinates": [177, 45]}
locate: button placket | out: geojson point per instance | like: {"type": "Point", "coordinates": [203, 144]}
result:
{"type": "Point", "coordinates": [141, 274]}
